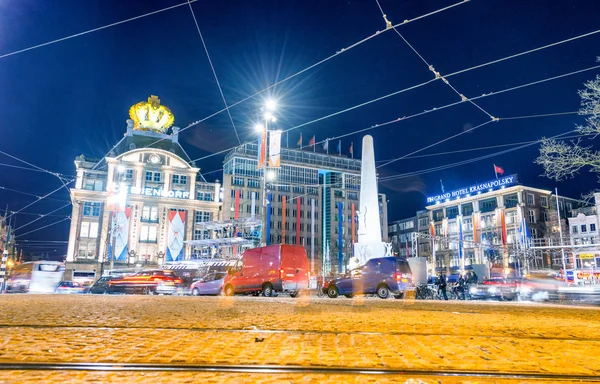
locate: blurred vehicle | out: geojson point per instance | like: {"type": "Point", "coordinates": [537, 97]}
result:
{"type": "Point", "coordinates": [85, 278]}
{"type": "Point", "coordinates": [35, 277]}
{"type": "Point", "coordinates": [211, 284]}
{"type": "Point", "coordinates": [101, 286]}
{"type": "Point", "coordinates": [146, 283]}
{"type": "Point", "coordinates": [539, 287]}
{"type": "Point", "coordinates": [494, 288]}
{"type": "Point", "coordinates": [383, 276]}
{"type": "Point", "coordinates": [268, 270]}
{"type": "Point", "coordinates": [70, 287]}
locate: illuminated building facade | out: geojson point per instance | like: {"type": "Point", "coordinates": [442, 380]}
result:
{"type": "Point", "coordinates": [493, 223]}
{"type": "Point", "coordinates": [305, 178]}
{"type": "Point", "coordinates": [143, 200]}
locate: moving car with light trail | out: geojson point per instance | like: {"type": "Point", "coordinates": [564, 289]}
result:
{"type": "Point", "coordinates": [497, 288]}
{"type": "Point", "coordinates": [211, 284]}
{"type": "Point", "coordinates": [147, 283]}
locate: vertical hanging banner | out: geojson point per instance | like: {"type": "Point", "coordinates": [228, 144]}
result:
{"type": "Point", "coordinates": [275, 149]}
{"type": "Point", "coordinates": [268, 223]}
{"type": "Point", "coordinates": [352, 214]}
{"type": "Point", "coordinates": [298, 220]}
{"type": "Point", "coordinates": [460, 237]}
{"type": "Point", "coordinates": [262, 149]}
{"type": "Point", "coordinates": [175, 237]}
{"type": "Point", "coordinates": [503, 224]}
{"type": "Point", "coordinates": [340, 240]}
{"type": "Point", "coordinates": [312, 235]}
{"type": "Point", "coordinates": [283, 204]}
{"type": "Point", "coordinates": [122, 233]}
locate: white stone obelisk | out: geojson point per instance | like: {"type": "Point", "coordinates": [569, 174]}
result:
{"type": "Point", "coordinates": [369, 243]}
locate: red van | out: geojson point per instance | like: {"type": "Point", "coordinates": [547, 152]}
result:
{"type": "Point", "coordinates": [266, 270]}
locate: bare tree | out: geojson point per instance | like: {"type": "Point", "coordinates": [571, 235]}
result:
{"type": "Point", "coordinates": [563, 160]}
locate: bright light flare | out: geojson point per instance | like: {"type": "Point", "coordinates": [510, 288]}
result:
{"type": "Point", "coordinates": [271, 105]}
{"type": "Point", "coordinates": [259, 127]}
{"type": "Point", "coordinates": [120, 168]}
{"type": "Point", "coordinates": [271, 175]}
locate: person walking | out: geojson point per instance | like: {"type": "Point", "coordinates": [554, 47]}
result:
{"type": "Point", "coordinates": [442, 285]}
{"type": "Point", "coordinates": [460, 287]}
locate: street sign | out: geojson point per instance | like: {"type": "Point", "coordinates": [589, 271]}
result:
{"type": "Point", "coordinates": [586, 255]}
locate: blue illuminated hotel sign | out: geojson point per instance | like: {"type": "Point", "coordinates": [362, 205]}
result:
{"type": "Point", "coordinates": [501, 182]}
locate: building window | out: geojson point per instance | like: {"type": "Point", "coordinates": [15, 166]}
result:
{"type": "Point", "coordinates": [153, 176]}
{"type": "Point", "coordinates": [438, 215]}
{"type": "Point", "coordinates": [94, 185]}
{"type": "Point", "coordinates": [452, 212]}
{"type": "Point", "coordinates": [511, 201]}
{"type": "Point", "coordinates": [253, 183]}
{"type": "Point", "coordinates": [534, 233]}
{"type": "Point", "coordinates": [236, 180]}
{"type": "Point", "coordinates": [574, 229]}
{"type": "Point", "coordinates": [204, 196]}
{"type": "Point", "coordinates": [150, 214]}
{"type": "Point", "coordinates": [180, 179]}
{"type": "Point", "coordinates": [546, 217]}
{"type": "Point", "coordinates": [583, 228]}
{"type": "Point", "coordinates": [200, 234]}
{"type": "Point", "coordinates": [488, 205]}
{"type": "Point", "coordinates": [91, 209]}
{"type": "Point", "coordinates": [532, 216]}
{"type": "Point", "coordinates": [129, 174]}
{"type": "Point", "coordinates": [423, 222]}
{"type": "Point", "coordinates": [467, 209]}
{"type": "Point", "coordinates": [203, 216]}
{"type": "Point", "coordinates": [89, 229]}
{"type": "Point", "coordinates": [148, 234]}
{"type": "Point", "coordinates": [592, 227]}
{"type": "Point", "coordinates": [233, 193]}
{"type": "Point", "coordinates": [544, 201]}
{"type": "Point", "coordinates": [530, 199]}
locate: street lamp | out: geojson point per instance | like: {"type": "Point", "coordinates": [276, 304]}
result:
{"type": "Point", "coordinates": [263, 130]}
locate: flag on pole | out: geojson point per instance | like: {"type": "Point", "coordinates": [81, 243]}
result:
{"type": "Point", "coordinates": [498, 170]}
{"type": "Point", "coordinates": [326, 146]}
{"type": "Point", "coordinates": [442, 184]}
{"type": "Point", "coordinates": [352, 149]}
{"type": "Point", "coordinates": [339, 148]}
{"type": "Point", "coordinates": [311, 142]}
{"type": "Point", "coordinates": [299, 143]}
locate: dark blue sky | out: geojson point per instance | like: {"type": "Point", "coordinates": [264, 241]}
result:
{"type": "Point", "coordinates": [72, 97]}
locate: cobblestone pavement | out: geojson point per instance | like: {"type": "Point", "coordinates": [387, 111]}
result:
{"type": "Point", "coordinates": [365, 333]}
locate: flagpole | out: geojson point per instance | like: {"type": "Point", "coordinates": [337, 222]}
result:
{"type": "Point", "coordinates": [562, 249]}
{"type": "Point", "coordinates": [495, 171]}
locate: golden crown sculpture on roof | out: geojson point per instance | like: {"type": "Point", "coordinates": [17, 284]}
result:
{"type": "Point", "coordinates": [151, 116]}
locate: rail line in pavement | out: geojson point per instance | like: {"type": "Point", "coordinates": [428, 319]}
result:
{"type": "Point", "coordinates": [298, 332]}
{"type": "Point", "coordinates": [285, 369]}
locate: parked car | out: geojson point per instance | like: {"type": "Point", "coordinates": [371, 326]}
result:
{"type": "Point", "coordinates": [69, 287]}
{"type": "Point", "coordinates": [211, 284]}
{"type": "Point", "coordinates": [268, 270]}
{"type": "Point", "coordinates": [383, 276]}
{"type": "Point", "coordinates": [147, 283]}
{"type": "Point", "coordinates": [495, 288]}
{"type": "Point", "coordinates": [101, 286]}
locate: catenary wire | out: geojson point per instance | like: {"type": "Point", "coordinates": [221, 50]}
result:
{"type": "Point", "coordinates": [29, 194]}
{"type": "Point", "coordinates": [36, 201]}
{"type": "Point", "coordinates": [463, 162]}
{"type": "Point", "coordinates": [429, 66]}
{"type": "Point", "coordinates": [93, 30]}
{"type": "Point", "coordinates": [542, 115]}
{"type": "Point", "coordinates": [214, 72]}
{"type": "Point", "coordinates": [42, 216]}
{"type": "Point", "coordinates": [343, 50]}
{"type": "Point", "coordinates": [45, 226]}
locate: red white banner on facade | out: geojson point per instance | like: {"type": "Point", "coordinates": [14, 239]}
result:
{"type": "Point", "coordinates": [176, 235]}
{"type": "Point", "coordinates": [262, 149]}
{"type": "Point", "coordinates": [275, 149]}
{"type": "Point", "coordinates": [122, 233]}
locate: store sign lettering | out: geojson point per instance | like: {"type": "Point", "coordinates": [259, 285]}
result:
{"type": "Point", "coordinates": [155, 192]}
{"type": "Point", "coordinates": [501, 182]}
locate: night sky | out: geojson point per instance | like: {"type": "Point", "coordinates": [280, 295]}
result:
{"type": "Point", "coordinates": [72, 97]}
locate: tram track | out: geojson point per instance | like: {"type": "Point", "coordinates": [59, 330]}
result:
{"type": "Point", "coordinates": [252, 330]}
{"type": "Point", "coordinates": [289, 369]}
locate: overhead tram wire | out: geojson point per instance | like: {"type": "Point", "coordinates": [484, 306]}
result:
{"type": "Point", "coordinates": [418, 86]}
{"type": "Point", "coordinates": [32, 169]}
{"type": "Point", "coordinates": [343, 50]}
{"type": "Point", "coordinates": [542, 115]}
{"type": "Point", "coordinates": [463, 162]}
{"type": "Point", "coordinates": [30, 194]}
{"type": "Point", "coordinates": [42, 216]}
{"type": "Point", "coordinates": [45, 226]}
{"type": "Point", "coordinates": [429, 66]}
{"type": "Point", "coordinates": [38, 200]}
{"type": "Point", "coordinates": [94, 30]}
{"type": "Point", "coordinates": [214, 72]}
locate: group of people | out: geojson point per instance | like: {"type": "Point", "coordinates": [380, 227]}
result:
{"type": "Point", "coordinates": [460, 286]}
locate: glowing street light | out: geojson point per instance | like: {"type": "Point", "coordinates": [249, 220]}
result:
{"type": "Point", "coordinates": [259, 127]}
{"type": "Point", "coordinates": [271, 175]}
{"type": "Point", "coordinates": [271, 105]}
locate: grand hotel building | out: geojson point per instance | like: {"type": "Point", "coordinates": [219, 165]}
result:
{"type": "Point", "coordinates": [143, 200]}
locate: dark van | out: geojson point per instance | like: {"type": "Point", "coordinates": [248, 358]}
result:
{"type": "Point", "coordinates": [383, 276]}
